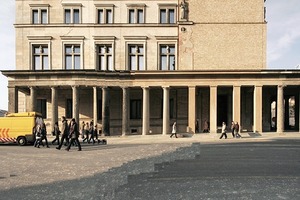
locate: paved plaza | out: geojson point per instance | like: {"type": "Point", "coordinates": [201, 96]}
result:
{"type": "Point", "coordinates": [157, 167]}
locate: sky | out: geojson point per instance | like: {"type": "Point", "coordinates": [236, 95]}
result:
{"type": "Point", "coordinates": [283, 38]}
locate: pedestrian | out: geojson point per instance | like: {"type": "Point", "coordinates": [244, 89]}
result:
{"type": "Point", "coordinates": [174, 130]}
{"type": "Point", "coordinates": [197, 126]}
{"type": "Point", "coordinates": [223, 131]}
{"type": "Point", "coordinates": [82, 130]}
{"type": "Point", "coordinates": [87, 132]}
{"type": "Point", "coordinates": [38, 136]}
{"type": "Point", "coordinates": [92, 133]}
{"type": "Point", "coordinates": [74, 134]}
{"type": "Point", "coordinates": [237, 129]}
{"type": "Point", "coordinates": [206, 127]}
{"type": "Point", "coordinates": [44, 134]}
{"type": "Point", "coordinates": [232, 128]}
{"type": "Point", "coordinates": [56, 133]}
{"type": "Point", "coordinates": [65, 133]}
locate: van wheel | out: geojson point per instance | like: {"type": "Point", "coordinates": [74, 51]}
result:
{"type": "Point", "coordinates": [21, 141]}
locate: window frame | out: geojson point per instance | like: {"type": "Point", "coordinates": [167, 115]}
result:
{"type": "Point", "coordinates": [167, 40]}
{"type": "Point", "coordinates": [135, 40]}
{"type": "Point", "coordinates": [41, 55]}
{"type": "Point", "coordinates": [105, 8]}
{"type": "Point", "coordinates": [167, 7]}
{"type": "Point", "coordinates": [104, 40]}
{"type": "Point", "coordinates": [168, 55]}
{"type": "Point", "coordinates": [37, 41]}
{"type": "Point", "coordinates": [39, 8]}
{"type": "Point", "coordinates": [72, 7]}
{"type": "Point", "coordinates": [72, 41]}
{"type": "Point", "coordinates": [136, 18]}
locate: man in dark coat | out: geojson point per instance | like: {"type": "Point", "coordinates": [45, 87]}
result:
{"type": "Point", "coordinates": [74, 134]}
{"type": "Point", "coordinates": [65, 132]}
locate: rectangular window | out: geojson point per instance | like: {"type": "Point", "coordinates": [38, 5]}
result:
{"type": "Point", "coordinates": [40, 57]}
{"type": "Point", "coordinates": [39, 16]}
{"type": "Point", "coordinates": [69, 108]}
{"type": "Point", "coordinates": [136, 57]}
{"type": "Point", "coordinates": [42, 107]}
{"type": "Point", "coordinates": [105, 16]}
{"type": "Point", "coordinates": [72, 57]}
{"type": "Point", "coordinates": [105, 53]}
{"type": "Point", "coordinates": [167, 16]}
{"type": "Point", "coordinates": [135, 109]}
{"type": "Point", "coordinates": [167, 57]}
{"type": "Point", "coordinates": [72, 15]}
{"type": "Point", "coordinates": [136, 15]}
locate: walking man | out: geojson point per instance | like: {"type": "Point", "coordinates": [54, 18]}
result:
{"type": "Point", "coordinates": [74, 134]}
{"type": "Point", "coordinates": [65, 133]}
{"type": "Point", "coordinates": [223, 131]}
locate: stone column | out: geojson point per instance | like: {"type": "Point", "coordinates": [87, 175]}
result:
{"type": "Point", "coordinates": [54, 107]}
{"type": "Point", "coordinates": [280, 109]}
{"type": "Point", "coordinates": [166, 110]}
{"type": "Point", "coordinates": [32, 107]}
{"type": "Point", "coordinates": [146, 111]}
{"type": "Point", "coordinates": [75, 96]}
{"type": "Point", "coordinates": [95, 106]}
{"type": "Point", "coordinates": [213, 109]}
{"type": "Point", "coordinates": [105, 111]}
{"type": "Point", "coordinates": [192, 109]}
{"type": "Point", "coordinates": [257, 110]}
{"type": "Point", "coordinates": [12, 99]}
{"type": "Point", "coordinates": [236, 104]}
{"type": "Point", "coordinates": [125, 111]}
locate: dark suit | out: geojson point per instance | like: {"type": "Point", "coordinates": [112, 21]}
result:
{"type": "Point", "coordinates": [74, 134]}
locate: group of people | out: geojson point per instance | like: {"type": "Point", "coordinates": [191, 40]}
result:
{"type": "Point", "coordinates": [235, 128]}
{"type": "Point", "coordinates": [69, 134]}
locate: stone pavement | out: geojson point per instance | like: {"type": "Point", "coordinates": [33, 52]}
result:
{"type": "Point", "coordinates": [95, 172]}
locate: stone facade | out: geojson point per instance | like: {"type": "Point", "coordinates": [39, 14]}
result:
{"type": "Point", "coordinates": [136, 67]}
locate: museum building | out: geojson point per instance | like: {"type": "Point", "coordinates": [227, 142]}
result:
{"type": "Point", "coordinates": [135, 67]}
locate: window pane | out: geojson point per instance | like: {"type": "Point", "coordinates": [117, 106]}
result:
{"type": "Point", "coordinates": [35, 16]}
{"type": "Point", "coordinates": [141, 62]}
{"type": "Point", "coordinates": [140, 16]}
{"type": "Point", "coordinates": [172, 50]}
{"type": "Point", "coordinates": [132, 63]}
{"type": "Point", "coordinates": [102, 49]}
{"type": "Point", "coordinates": [68, 62]}
{"type": "Point", "coordinates": [172, 16]}
{"type": "Point", "coordinates": [163, 50]}
{"type": "Point", "coordinates": [44, 16]}
{"type": "Point", "coordinates": [141, 50]}
{"type": "Point", "coordinates": [36, 50]}
{"type": "Point", "coordinates": [163, 63]}
{"type": "Point", "coordinates": [37, 64]}
{"type": "Point", "coordinates": [109, 49]}
{"type": "Point", "coordinates": [45, 50]}
{"type": "Point", "coordinates": [109, 63]}
{"type": "Point", "coordinates": [67, 16]}
{"type": "Point", "coordinates": [102, 63]}
{"type": "Point", "coordinates": [172, 62]}
{"type": "Point", "coordinates": [163, 16]}
{"type": "Point", "coordinates": [76, 62]}
{"type": "Point", "coordinates": [108, 16]}
{"type": "Point", "coordinates": [45, 62]}
{"type": "Point", "coordinates": [131, 16]}
{"type": "Point", "coordinates": [76, 16]}
{"type": "Point", "coordinates": [100, 16]}
{"type": "Point", "coordinates": [68, 50]}
{"type": "Point", "coordinates": [76, 49]}
{"type": "Point", "coordinates": [132, 49]}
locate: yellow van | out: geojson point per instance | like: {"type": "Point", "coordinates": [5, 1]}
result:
{"type": "Point", "coordinates": [19, 127]}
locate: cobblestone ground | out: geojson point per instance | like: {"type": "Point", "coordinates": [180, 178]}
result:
{"type": "Point", "coordinates": [32, 173]}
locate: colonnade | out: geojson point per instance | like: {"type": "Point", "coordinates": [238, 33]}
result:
{"type": "Point", "coordinates": [236, 100]}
